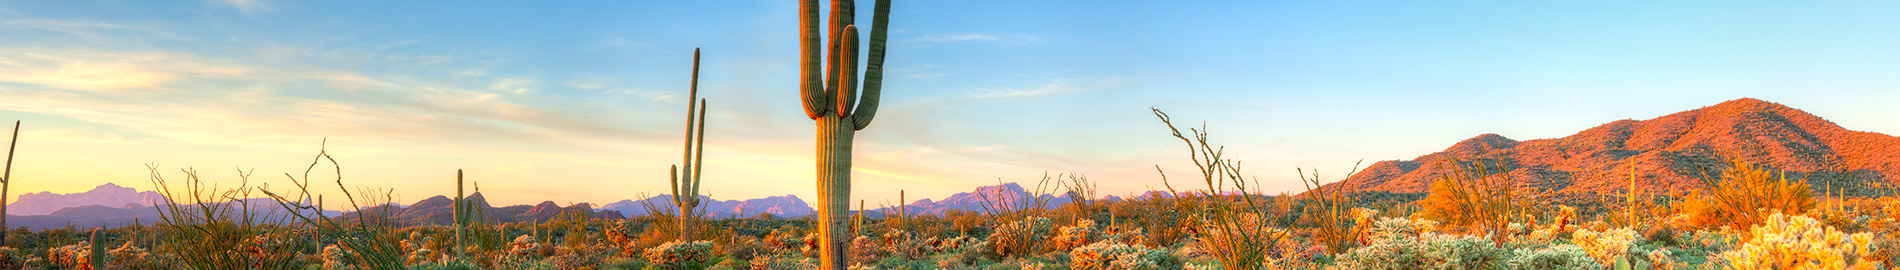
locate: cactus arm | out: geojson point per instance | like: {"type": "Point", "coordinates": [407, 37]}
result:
{"type": "Point", "coordinates": [847, 77]}
{"type": "Point", "coordinates": [692, 95]}
{"type": "Point", "coordinates": [873, 67]}
{"type": "Point", "coordinates": [841, 16]}
{"type": "Point", "coordinates": [810, 83]}
{"type": "Point", "coordinates": [675, 171]}
{"type": "Point", "coordinates": [700, 155]}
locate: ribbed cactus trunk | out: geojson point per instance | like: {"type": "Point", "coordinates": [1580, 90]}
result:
{"type": "Point", "coordinates": [461, 216]}
{"type": "Point", "coordinates": [97, 259]}
{"type": "Point", "coordinates": [834, 186]}
{"type": "Point", "coordinates": [829, 85]}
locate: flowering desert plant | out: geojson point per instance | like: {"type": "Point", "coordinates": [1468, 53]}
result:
{"type": "Point", "coordinates": [1801, 242]}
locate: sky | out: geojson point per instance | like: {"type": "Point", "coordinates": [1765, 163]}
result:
{"type": "Point", "coordinates": [584, 101]}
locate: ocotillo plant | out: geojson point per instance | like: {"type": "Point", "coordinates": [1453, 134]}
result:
{"type": "Point", "coordinates": [6, 178]}
{"type": "Point", "coordinates": [829, 90]}
{"type": "Point", "coordinates": [686, 179]}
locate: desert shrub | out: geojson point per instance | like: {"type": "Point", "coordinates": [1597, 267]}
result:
{"type": "Point", "coordinates": [1801, 242]}
{"type": "Point", "coordinates": [1106, 255]}
{"type": "Point", "coordinates": [1402, 244]}
{"type": "Point", "coordinates": [1557, 257]}
{"type": "Point", "coordinates": [1339, 222]}
{"type": "Point", "coordinates": [1075, 236]}
{"type": "Point", "coordinates": [744, 248]}
{"type": "Point", "coordinates": [1019, 238]}
{"type": "Point", "coordinates": [866, 250]}
{"type": "Point", "coordinates": [680, 255]}
{"type": "Point", "coordinates": [1743, 196]}
{"type": "Point", "coordinates": [1474, 193]}
{"type": "Point", "coordinates": [1607, 245]}
{"type": "Point", "coordinates": [905, 245]}
{"type": "Point", "coordinates": [783, 262]}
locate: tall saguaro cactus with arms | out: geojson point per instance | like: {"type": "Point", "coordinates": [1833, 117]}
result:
{"type": "Point", "coordinates": [829, 88]}
{"type": "Point", "coordinates": [686, 179]}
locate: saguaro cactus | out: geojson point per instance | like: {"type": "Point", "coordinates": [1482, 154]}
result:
{"type": "Point", "coordinates": [461, 216]}
{"type": "Point", "coordinates": [829, 90]}
{"type": "Point", "coordinates": [98, 254]}
{"type": "Point", "coordinates": [6, 178]}
{"type": "Point", "coordinates": [686, 177]}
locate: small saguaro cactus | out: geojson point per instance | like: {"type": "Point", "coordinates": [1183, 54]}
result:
{"type": "Point", "coordinates": [828, 85]}
{"type": "Point", "coordinates": [98, 258]}
{"type": "Point", "coordinates": [686, 178]}
{"type": "Point", "coordinates": [461, 216]}
{"type": "Point", "coordinates": [6, 179]}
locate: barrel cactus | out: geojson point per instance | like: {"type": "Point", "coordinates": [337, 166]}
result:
{"type": "Point", "coordinates": [829, 88]}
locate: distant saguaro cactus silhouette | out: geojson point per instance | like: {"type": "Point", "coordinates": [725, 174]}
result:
{"type": "Point", "coordinates": [829, 90]}
{"type": "Point", "coordinates": [686, 179]}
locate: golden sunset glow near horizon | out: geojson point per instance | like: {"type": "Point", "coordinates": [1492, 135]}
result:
{"type": "Point", "coordinates": [584, 102]}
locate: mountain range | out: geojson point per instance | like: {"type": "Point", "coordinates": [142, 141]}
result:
{"type": "Point", "coordinates": [1664, 153]}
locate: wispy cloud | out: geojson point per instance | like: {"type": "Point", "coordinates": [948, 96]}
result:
{"type": "Point", "coordinates": [248, 7]}
{"type": "Point", "coordinates": [954, 38]}
{"type": "Point", "coordinates": [1054, 87]}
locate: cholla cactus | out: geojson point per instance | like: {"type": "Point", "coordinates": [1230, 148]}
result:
{"type": "Point", "coordinates": [1075, 236]}
{"type": "Point", "coordinates": [1107, 255]}
{"type": "Point", "coordinates": [1019, 237]}
{"type": "Point", "coordinates": [74, 256]}
{"type": "Point", "coordinates": [1557, 257]}
{"type": "Point", "coordinates": [866, 250]}
{"type": "Point", "coordinates": [680, 255]}
{"type": "Point", "coordinates": [1607, 245]}
{"type": "Point", "coordinates": [1801, 242]}
{"type": "Point", "coordinates": [905, 244]}
{"type": "Point", "coordinates": [1400, 244]}
{"type": "Point", "coordinates": [335, 258]}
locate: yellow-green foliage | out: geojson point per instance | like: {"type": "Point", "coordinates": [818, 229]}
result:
{"type": "Point", "coordinates": [1606, 245]}
{"type": "Point", "coordinates": [1801, 242]}
{"type": "Point", "coordinates": [1744, 194]}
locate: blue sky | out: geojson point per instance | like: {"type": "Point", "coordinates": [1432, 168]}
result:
{"type": "Point", "coordinates": [583, 101]}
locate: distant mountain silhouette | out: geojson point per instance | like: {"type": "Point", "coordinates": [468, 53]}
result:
{"type": "Point", "coordinates": [109, 195]}
{"type": "Point", "coordinates": [788, 206]}
{"type": "Point", "coordinates": [1666, 151]}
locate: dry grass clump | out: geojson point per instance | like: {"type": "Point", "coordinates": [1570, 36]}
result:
{"type": "Point", "coordinates": [1800, 242]}
{"type": "Point", "coordinates": [1744, 195]}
